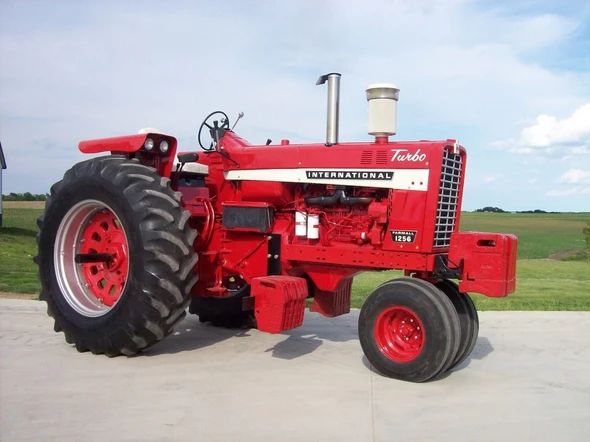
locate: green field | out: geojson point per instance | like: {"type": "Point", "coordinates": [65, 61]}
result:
{"type": "Point", "coordinates": [542, 284]}
{"type": "Point", "coordinates": [18, 273]}
{"type": "Point", "coordinates": [539, 235]}
{"type": "Point", "coordinates": [553, 273]}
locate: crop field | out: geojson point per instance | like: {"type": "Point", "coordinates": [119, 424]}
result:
{"type": "Point", "coordinates": [557, 236]}
{"type": "Point", "coordinates": [553, 272]}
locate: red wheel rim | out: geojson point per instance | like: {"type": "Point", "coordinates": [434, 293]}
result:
{"type": "Point", "coordinates": [399, 333]}
{"type": "Point", "coordinates": [104, 234]}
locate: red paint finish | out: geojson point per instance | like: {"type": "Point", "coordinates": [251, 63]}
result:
{"type": "Point", "coordinates": [487, 262]}
{"type": "Point", "coordinates": [104, 234]}
{"type": "Point", "coordinates": [334, 302]}
{"type": "Point", "coordinates": [275, 193]}
{"type": "Point", "coordinates": [126, 143]}
{"type": "Point", "coordinates": [399, 334]}
{"type": "Point", "coordinates": [357, 229]}
{"type": "Point", "coordinates": [132, 146]}
{"type": "Point", "coordinates": [343, 155]}
{"type": "Point", "coordinates": [279, 302]}
{"type": "Point", "coordinates": [351, 238]}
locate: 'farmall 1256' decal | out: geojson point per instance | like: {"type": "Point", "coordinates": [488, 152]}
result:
{"type": "Point", "coordinates": [349, 175]}
{"type": "Point", "coordinates": [406, 156]}
{"type": "Point", "coordinates": [404, 236]}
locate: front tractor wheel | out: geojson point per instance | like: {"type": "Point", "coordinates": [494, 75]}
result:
{"type": "Point", "coordinates": [409, 330]}
{"type": "Point", "coordinates": [115, 256]}
{"type": "Point", "coordinates": [468, 319]}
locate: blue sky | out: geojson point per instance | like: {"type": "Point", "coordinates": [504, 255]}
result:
{"type": "Point", "coordinates": [510, 80]}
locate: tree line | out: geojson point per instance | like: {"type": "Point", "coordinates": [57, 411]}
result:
{"type": "Point", "coordinates": [489, 209]}
{"type": "Point", "coordinates": [27, 196]}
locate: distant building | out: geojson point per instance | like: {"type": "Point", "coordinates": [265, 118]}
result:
{"type": "Point", "coordinates": [2, 167]}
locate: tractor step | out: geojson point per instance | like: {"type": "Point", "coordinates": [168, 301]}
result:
{"type": "Point", "coordinates": [279, 302]}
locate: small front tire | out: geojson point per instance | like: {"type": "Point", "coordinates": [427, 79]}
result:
{"type": "Point", "coordinates": [409, 330]}
{"type": "Point", "coordinates": [468, 319]}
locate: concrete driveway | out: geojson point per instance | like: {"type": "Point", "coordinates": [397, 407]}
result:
{"type": "Point", "coordinates": [528, 379]}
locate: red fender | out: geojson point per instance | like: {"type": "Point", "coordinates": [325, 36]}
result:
{"type": "Point", "coordinates": [126, 143]}
{"type": "Point", "coordinates": [131, 144]}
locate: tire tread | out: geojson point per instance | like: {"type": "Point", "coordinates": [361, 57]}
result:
{"type": "Point", "coordinates": [167, 242]}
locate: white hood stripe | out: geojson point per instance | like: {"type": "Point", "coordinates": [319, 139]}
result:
{"type": "Point", "coordinates": [403, 179]}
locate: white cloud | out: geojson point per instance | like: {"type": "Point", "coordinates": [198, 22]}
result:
{"type": "Point", "coordinates": [562, 192]}
{"type": "Point", "coordinates": [575, 176]}
{"type": "Point", "coordinates": [489, 179]}
{"type": "Point", "coordinates": [571, 191]}
{"type": "Point", "coordinates": [548, 130]}
{"type": "Point", "coordinates": [573, 182]}
{"type": "Point", "coordinates": [549, 135]}
{"type": "Point", "coordinates": [472, 70]}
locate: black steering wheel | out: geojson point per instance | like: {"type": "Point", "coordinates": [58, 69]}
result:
{"type": "Point", "coordinates": [216, 131]}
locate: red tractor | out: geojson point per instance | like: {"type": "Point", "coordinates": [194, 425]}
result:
{"type": "Point", "coordinates": [272, 226]}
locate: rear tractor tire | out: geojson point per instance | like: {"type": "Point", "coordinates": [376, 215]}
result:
{"type": "Point", "coordinates": [409, 330]}
{"type": "Point", "coordinates": [116, 256]}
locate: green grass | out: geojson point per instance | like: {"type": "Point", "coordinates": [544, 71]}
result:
{"type": "Point", "coordinates": [545, 284]}
{"type": "Point", "coordinates": [539, 235]}
{"type": "Point", "coordinates": [542, 284]}
{"type": "Point", "coordinates": [18, 273]}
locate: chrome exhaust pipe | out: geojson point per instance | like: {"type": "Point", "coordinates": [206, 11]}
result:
{"type": "Point", "coordinates": [333, 80]}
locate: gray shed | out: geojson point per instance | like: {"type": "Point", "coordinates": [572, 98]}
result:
{"type": "Point", "coordinates": [2, 167]}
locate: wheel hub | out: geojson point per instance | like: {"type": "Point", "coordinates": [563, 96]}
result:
{"type": "Point", "coordinates": [399, 333]}
{"type": "Point", "coordinates": [91, 258]}
{"type": "Point", "coordinates": [104, 235]}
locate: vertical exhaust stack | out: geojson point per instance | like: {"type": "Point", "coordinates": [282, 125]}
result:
{"type": "Point", "coordinates": [333, 80]}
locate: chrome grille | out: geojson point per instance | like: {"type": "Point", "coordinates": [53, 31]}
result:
{"type": "Point", "coordinates": [448, 199]}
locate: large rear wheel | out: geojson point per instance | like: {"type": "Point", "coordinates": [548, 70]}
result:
{"type": "Point", "coordinates": [115, 256]}
{"type": "Point", "coordinates": [409, 330]}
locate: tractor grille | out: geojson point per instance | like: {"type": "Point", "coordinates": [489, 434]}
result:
{"type": "Point", "coordinates": [448, 199]}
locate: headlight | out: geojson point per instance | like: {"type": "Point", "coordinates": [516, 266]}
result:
{"type": "Point", "coordinates": [149, 144]}
{"type": "Point", "coordinates": [164, 146]}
